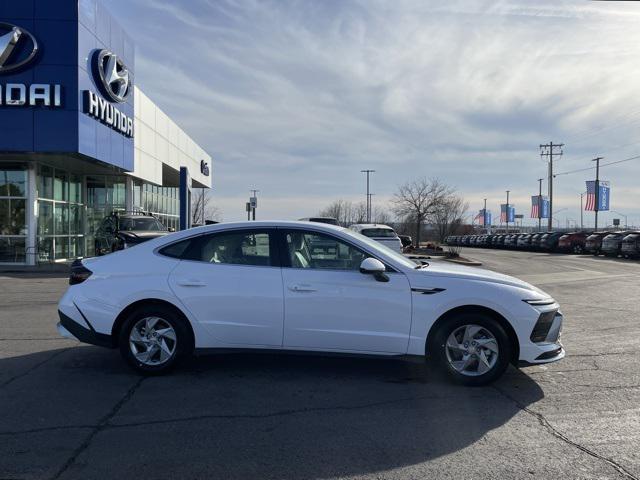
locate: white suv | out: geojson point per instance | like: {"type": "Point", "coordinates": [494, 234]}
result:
{"type": "Point", "coordinates": [383, 234]}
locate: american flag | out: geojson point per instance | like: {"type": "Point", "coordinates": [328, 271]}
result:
{"type": "Point", "coordinates": [503, 212]}
{"type": "Point", "coordinates": [590, 206]}
{"type": "Point", "coordinates": [535, 206]}
{"type": "Point", "coordinates": [480, 217]}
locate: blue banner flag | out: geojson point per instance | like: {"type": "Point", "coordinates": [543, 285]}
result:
{"type": "Point", "coordinates": [604, 191]}
{"type": "Point", "coordinates": [601, 203]}
{"type": "Point", "coordinates": [507, 213]}
{"type": "Point", "coordinates": [545, 207]}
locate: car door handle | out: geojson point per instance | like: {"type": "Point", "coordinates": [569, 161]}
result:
{"type": "Point", "coordinates": [191, 283]}
{"type": "Point", "coordinates": [302, 288]}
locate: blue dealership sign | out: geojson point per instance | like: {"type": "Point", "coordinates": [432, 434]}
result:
{"type": "Point", "coordinates": [55, 95]}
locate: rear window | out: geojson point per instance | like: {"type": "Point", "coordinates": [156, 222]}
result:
{"type": "Point", "coordinates": [378, 232]}
{"type": "Point", "coordinates": [176, 250]}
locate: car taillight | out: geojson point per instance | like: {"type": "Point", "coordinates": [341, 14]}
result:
{"type": "Point", "coordinates": [79, 273]}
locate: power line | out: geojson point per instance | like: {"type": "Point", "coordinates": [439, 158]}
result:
{"type": "Point", "coordinates": [603, 165]}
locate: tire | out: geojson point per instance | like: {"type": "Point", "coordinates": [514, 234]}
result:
{"type": "Point", "coordinates": [485, 326]}
{"type": "Point", "coordinates": [165, 350]}
{"type": "Point", "coordinates": [577, 249]}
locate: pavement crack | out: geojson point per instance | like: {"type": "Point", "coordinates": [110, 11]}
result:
{"type": "Point", "coordinates": [99, 427]}
{"type": "Point", "coordinates": [280, 413]}
{"type": "Point", "coordinates": [32, 368]}
{"type": "Point", "coordinates": [106, 425]}
{"type": "Point", "coordinates": [561, 436]}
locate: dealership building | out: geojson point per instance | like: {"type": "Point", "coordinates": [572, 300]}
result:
{"type": "Point", "coordinates": [78, 138]}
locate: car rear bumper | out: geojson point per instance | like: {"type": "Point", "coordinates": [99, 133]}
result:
{"type": "Point", "coordinates": [69, 328]}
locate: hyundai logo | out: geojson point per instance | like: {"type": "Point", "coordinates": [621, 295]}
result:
{"type": "Point", "coordinates": [204, 168]}
{"type": "Point", "coordinates": [17, 47]}
{"type": "Point", "coordinates": [111, 75]}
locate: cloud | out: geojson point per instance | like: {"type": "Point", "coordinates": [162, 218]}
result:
{"type": "Point", "coordinates": [296, 97]}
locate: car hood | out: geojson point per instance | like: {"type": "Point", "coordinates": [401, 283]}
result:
{"type": "Point", "coordinates": [462, 272]}
{"type": "Point", "coordinates": [141, 235]}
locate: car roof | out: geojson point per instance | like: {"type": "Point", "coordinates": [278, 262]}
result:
{"type": "Point", "coordinates": [370, 225]}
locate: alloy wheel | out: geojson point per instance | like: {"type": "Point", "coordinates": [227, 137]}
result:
{"type": "Point", "coordinates": [472, 350]}
{"type": "Point", "coordinates": [152, 341]}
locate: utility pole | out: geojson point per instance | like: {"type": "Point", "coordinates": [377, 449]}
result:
{"type": "Point", "coordinates": [540, 204]}
{"type": "Point", "coordinates": [547, 150]}
{"type": "Point", "coordinates": [507, 212]}
{"type": "Point", "coordinates": [597, 188]}
{"type": "Point", "coordinates": [368, 195]}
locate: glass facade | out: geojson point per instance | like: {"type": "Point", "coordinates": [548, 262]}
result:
{"type": "Point", "coordinates": [65, 209]}
{"type": "Point", "coordinates": [60, 212]}
{"type": "Point", "coordinates": [163, 202]}
{"type": "Point", "coordinates": [13, 213]}
{"type": "Point", "coordinates": [105, 194]}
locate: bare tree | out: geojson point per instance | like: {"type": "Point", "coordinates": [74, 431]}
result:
{"type": "Point", "coordinates": [348, 213]}
{"type": "Point", "coordinates": [417, 200]}
{"type": "Point", "coordinates": [202, 209]}
{"type": "Point", "coordinates": [448, 216]}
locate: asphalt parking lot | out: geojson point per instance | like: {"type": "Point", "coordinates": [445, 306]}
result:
{"type": "Point", "coordinates": [75, 411]}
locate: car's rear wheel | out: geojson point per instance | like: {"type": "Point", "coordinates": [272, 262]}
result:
{"type": "Point", "coordinates": [153, 339]}
{"type": "Point", "coordinates": [472, 349]}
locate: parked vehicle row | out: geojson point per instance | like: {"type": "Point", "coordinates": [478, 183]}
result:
{"type": "Point", "coordinates": [611, 244]}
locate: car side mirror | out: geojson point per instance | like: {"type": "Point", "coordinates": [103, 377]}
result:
{"type": "Point", "coordinates": [373, 266]}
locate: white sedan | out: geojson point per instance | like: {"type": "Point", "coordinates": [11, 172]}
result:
{"type": "Point", "coordinates": [301, 286]}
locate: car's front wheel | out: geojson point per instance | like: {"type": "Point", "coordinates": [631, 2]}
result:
{"type": "Point", "coordinates": [153, 339]}
{"type": "Point", "coordinates": [472, 349]}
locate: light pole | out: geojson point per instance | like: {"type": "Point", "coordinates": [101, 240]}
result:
{"type": "Point", "coordinates": [484, 215]}
{"type": "Point", "coordinates": [507, 212]}
{"type": "Point", "coordinates": [540, 204]}
{"type": "Point", "coordinates": [368, 195]}
{"type": "Point", "coordinates": [597, 188]}
{"type": "Point", "coordinates": [581, 211]}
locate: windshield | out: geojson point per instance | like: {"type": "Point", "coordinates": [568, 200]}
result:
{"type": "Point", "coordinates": [379, 232]}
{"type": "Point", "coordinates": [142, 223]}
{"type": "Point", "coordinates": [374, 245]}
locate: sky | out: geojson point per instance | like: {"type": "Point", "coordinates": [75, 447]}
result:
{"type": "Point", "coordinates": [295, 97]}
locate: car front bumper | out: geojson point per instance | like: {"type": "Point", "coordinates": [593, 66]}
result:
{"type": "Point", "coordinates": [547, 348]}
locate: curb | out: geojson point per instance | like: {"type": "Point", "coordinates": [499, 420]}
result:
{"type": "Point", "coordinates": [460, 261]}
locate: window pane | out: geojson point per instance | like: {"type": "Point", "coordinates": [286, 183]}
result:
{"type": "Point", "coordinates": [13, 183]}
{"type": "Point", "coordinates": [75, 220]}
{"type": "Point", "coordinates": [13, 217]}
{"type": "Point", "coordinates": [45, 218]}
{"type": "Point", "coordinates": [62, 248]}
{"type": "Point", "coordinates": [45, 182]}
{"type": "Point", "coordinates": [313, 250]}
{"type": "Point", "coordinates": [238, 248]}
{"type": "Point", "coordinates": [96, 193]}
{"type": "Point", "coordinates": [177, 249]}
{"type": "Point", "coordinates": [12, 250]}
{"type": "Point", "coordinates": [45, 249]}
{"type": "Point", "coordinates": [61, 186]}
{"type": "Point", "coordinates": [61, 220]}
{"type": "Point", "coordinates": [5, 222]}
{"type": "Point", "coordinates": [75, 189]}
